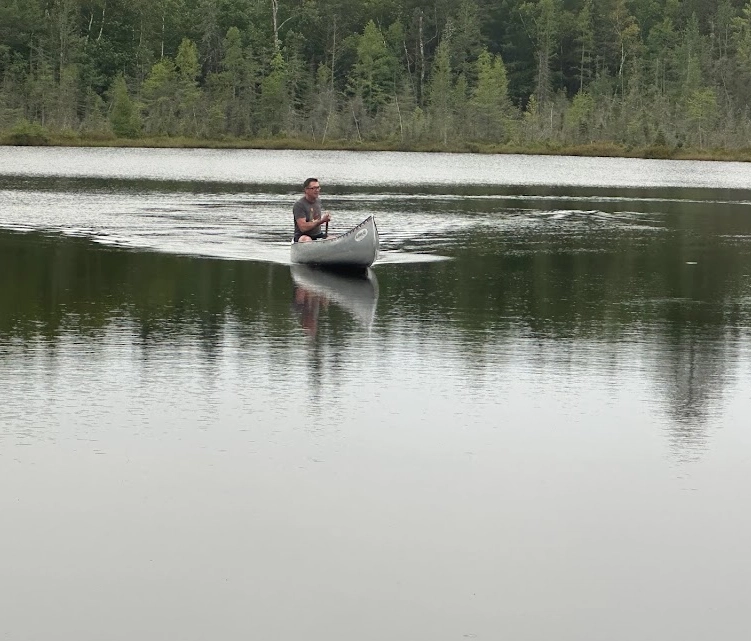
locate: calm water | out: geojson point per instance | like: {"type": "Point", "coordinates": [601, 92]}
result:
{"type": "Point", "coordinates": [530, 421]}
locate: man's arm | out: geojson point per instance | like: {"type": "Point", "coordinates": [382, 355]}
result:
{"type": "Point", "coordinates": [305, 226]}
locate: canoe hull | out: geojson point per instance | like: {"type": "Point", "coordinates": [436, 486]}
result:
{"type": "Point", "coordinates": [355, 249]}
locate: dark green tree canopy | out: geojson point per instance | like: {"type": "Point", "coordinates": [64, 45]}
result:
{"type": "Point", "coordinates": [632, 72]}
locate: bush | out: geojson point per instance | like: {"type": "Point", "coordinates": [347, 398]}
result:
{"type": "Point", "coordinates": [660, 152]}
{"type": "Point", "coordinates": [28, 133]}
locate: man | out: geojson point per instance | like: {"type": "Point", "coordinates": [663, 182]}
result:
{"type": "Point", "coordinates": [307, 214]}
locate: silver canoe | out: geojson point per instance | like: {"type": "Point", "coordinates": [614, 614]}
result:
{"type": "Point", "coordinates": [357, 295]}
{"type": "Point", "coordinates": [355, 249]}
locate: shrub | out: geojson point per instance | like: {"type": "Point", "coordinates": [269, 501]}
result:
{"type": "Point", "coordinates": [28, 133]}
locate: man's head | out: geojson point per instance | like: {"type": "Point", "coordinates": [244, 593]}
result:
{"type": "Point", "coordinates": [312, 188]}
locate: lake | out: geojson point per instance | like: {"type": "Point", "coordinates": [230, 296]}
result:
{"type": "Point", "coordinates": [529, 421]}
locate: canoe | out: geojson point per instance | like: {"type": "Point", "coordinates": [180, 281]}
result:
{"type": "Point", "coordinates": [356, 294]}
{"type": "Point", "coordinates": [355, 249]}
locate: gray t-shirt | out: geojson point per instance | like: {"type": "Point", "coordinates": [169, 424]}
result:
{"type": "Point", "coordinates": [309, 211]}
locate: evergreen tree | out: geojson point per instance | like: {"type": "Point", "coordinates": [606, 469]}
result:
{"type": "Point", "coordinates": [274, 100]}
{"type": "Point", "coordinates": [233, 89]}
{"type": "Point", "coordinates": [578, 119]}
{"type": "Point", "coordinates": [441, 92]}
{"type": "Point", "coordinates": [490, 99]}
{"type": "Point", "coordinates": [637, 72]}
{"type": "Point", "coordinates": [187, 93]}
{"type": "Point", "coordinates": [159, 93]}
{"type": "Point", "coordinates": [702, 112]}
{"type": "Point", "coordinates": [124, 116]}
{"type": "Point", "coordinates": [466, 40]}
{"type": "Point", "coordinates": [626, 39]}
{"type": "Point", "coordinates": [324, 116]}
{"type": "Point", "coordinates": [585, 39]}
{"type": "Point", "coordinates": [545, 18]}
{"type": "Point", "coordinates": [374, 72]}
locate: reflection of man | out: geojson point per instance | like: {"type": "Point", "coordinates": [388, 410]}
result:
{"type": "Point", "coordinates": [307, 214]}
{"type": "Point", "coordinates": [308, 305]}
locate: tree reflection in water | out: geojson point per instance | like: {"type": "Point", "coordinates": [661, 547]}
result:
{"type": "Point", "coordinates": [684, 328]}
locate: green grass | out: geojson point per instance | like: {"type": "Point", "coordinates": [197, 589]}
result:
{"type": "Point", "coordinates": [31, 134]}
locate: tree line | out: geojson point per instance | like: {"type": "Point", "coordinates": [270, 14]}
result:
{"type": "Point", "coordinates": [411, 73]}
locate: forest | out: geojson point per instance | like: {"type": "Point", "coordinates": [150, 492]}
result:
{"type": "Point", "coordinates": [648, 76]}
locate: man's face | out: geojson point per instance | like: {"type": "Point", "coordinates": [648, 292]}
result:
{"type": "Point", "coordinates": [312, 191]}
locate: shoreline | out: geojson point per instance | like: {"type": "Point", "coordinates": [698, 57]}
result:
{"type": "Point", "coordinates": [601, 149]}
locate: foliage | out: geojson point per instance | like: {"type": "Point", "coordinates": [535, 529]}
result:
{"type": "Point", "coordinates": [489, 102]}
{"type": "Point", "coordinates": [374, 72]}
{"type": "Point", "coordinates": [28, 133]}
{"type": "Point", "coordinates": [124, 117]}
{"type": "Point", "coordinates": [434, 73]}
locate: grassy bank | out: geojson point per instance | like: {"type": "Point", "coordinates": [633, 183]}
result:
{"type": "Point", "coordinates": [38, 136]}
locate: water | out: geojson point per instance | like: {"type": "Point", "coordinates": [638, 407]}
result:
{"type": "Point", "coordinates": [529, 421]}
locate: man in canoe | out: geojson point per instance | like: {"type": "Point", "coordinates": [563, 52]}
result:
{"type": "Point", "coordinates": [307, 214]}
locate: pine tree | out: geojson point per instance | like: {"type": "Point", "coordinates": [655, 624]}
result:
{"type": "Point", "coordinates": [159, 95]}
{"type": "Point", "coordinates": [124, 117]}
{"type": "Point", "coordinates": [489, 100]}
{"type": "Point", "coordinates": [188, 94]}
{"type": "Point", "coordinates": [274, 100]}
{"type": "Point", "coordinates": [441, 93]}
{"type": "Point", "coordinates": [373, 73]}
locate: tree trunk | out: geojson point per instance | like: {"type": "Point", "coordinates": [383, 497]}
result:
{"type": "Point", "coordinates": [275, 20]}
{"type": "Point", "coordinates": [399, 113]}
{"type": "Point", "coordinates": [101, 27]}
{"type": "Point", "coordinates": [164, 21]}
{"type": "Point", "coordinates": [91, 22]}
{"type": "Point", "coordinates": [421, 44]}
{"type": "Point", "coordinates": [333, 56]}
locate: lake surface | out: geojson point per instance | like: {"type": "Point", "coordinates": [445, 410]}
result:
{"type": "Point", "coordinates": [530, 421]}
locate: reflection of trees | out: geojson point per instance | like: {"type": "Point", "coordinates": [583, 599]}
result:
{"type": "Point", "coordinates": [607, 285]}
{"type": "Point", "coordinates": [691, 371]}
{"type": "Point", "coordinates": [61, 285]}
{"type": "Point", "coordinates": [612, 289]}
{"type": "Point", "coordinates": [54, 286]}
{"type": "Point", "coordinates": [317, 371]}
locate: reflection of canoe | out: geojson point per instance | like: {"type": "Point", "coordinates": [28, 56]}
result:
{"type": "Point", "coordinates": [357, 248]}
{"type": "Point", "coordinates": [356, 294]}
